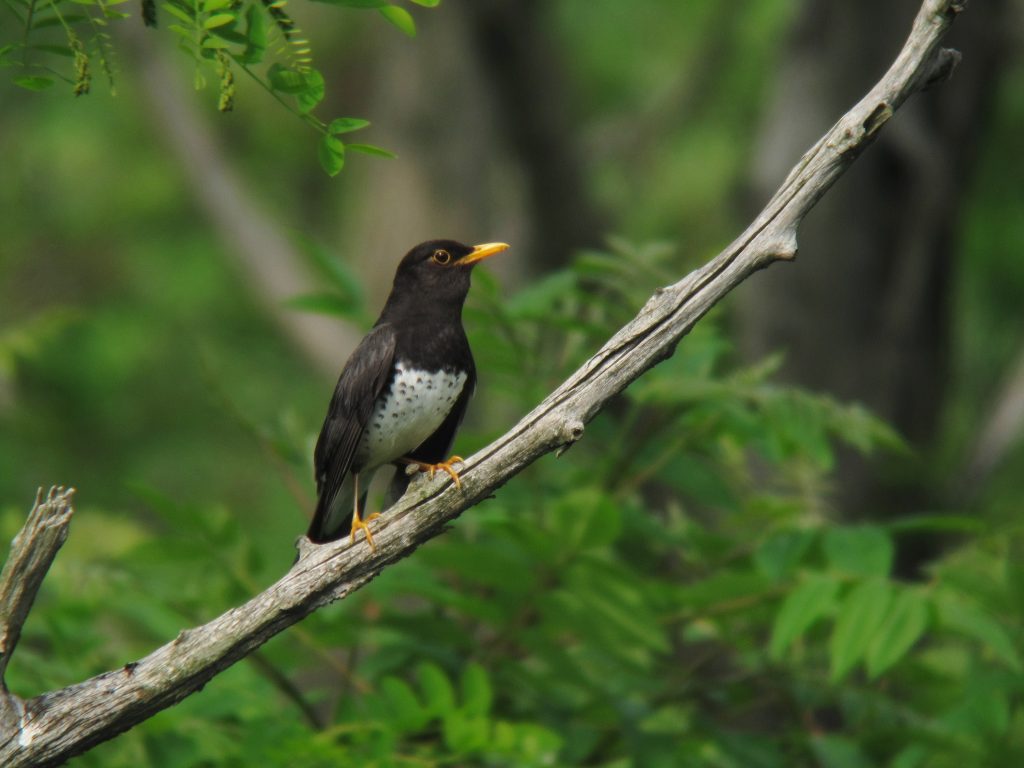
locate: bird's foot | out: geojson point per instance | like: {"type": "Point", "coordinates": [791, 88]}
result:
{"type": "Point", "coordinates": [444, 466]}
{"type": "Point", "coordinates": [358, 523]}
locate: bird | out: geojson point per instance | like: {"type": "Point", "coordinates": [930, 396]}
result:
{"type": "Point", "coordinates": [403, 392]}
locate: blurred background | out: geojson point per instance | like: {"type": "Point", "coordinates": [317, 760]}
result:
{"type": "Point", "coordinates": [797, 542]}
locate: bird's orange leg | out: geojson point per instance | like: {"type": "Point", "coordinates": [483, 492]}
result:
{"type": "Point", "coordinates": [358, 522]}
{"type": "Point", "coordinates": [444, 466]}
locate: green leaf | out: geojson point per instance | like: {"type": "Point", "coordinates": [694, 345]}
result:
{"type": "Point", "coordinates": [59, 50]}
{"type": "Point", "coordinates": [537, 300]}
{"type": "Point", "coordinates": [56, 21]}
{"type": "Point", "coordinates": [186, 32]}
{"type": "Point", "coordinates": [532, 744]}
{"type": "Point", "coordinates": [860, 615]}
{"type": "Point", "coordinates": [231, 34]}
{"type": "Point", "coordinates": [33, 82]}
{"type": "Point", "coordinates": [307, 86]}
{"type": "Point", "coordinates": [782, 552]}
{"type": "Point", "coordinates": [331, 153]}
{"type": "Point", "coordinates": [370, 149]}
{"type": "Point", "coordinates": [184, 15]}
{"type": "Point", "coordinates": [407, 712]}
{"type": "Point", "coordinates": [464, 733]}
{"type": "Point", "coordinates": [437, 689]}
{"type": "Point", "coordinates": [313, 93]}
{"type": "Point", "coordinates": [476, 690]}
{"type": "Point", "coordinates": [966, 617]}
{"type": "Point", "coordinates": [983, 709]}
{"type": "Point", "coordinates": [218, 20]}
{"type": "Point", "coordinates": [911, 757]}
{"type": "Point", "coordinates": [724, 586]}
{"type": "Point", "coordinates": [904, 624]}
{"type": "Point", "coordinates": [285, 80]}
{"type": "Point", "coordinates": [860, 428]}
{"type": "Point", "coordinates": [400, 17]}
{"type": "Point", "coordinates": [618, 608]}
{"type": "Point", "coordinates": [346, 125]}
{"type": "Point", "coordinates": [833, 751]}
{"type": "Point", "coordinates": [863, 551]}
{"type": "Point", "coordinates": [256, 35]}
{"type": "Point", "coordinates": [813, 599]}
{"type": "Point", "coordinates": [428, 3]}
{"type": "Point", "coordinates": [586, 518]}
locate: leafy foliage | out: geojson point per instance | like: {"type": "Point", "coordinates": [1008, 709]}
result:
{"type": "Point", "coordinates": [256, 37]}
{"type": "Point", "coordinates": [671, 592]}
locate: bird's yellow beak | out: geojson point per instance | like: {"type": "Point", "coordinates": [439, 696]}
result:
{"type": "Point", "coordinates": [481, 252]}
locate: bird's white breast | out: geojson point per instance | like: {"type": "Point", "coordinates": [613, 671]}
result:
{"type": "Point", "coordinates": [412, 409]}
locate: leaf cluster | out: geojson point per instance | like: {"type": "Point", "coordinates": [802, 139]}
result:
{"type": "Point", "coordinates": [673, 591]}
{"type": "Point", "coordinates": [256, 37]}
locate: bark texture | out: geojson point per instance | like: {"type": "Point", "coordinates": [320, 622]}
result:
{"type": "Point", "coordinates": [63, 723]}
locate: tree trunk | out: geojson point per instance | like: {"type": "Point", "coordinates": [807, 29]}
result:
{"type": "Point", "coordinates": [495, 114]}
{"type": "Point", "coordinates": [865, 312]}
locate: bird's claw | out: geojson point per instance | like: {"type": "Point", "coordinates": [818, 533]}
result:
{"type": "Point", "coordinates": [444, 466]}
{"type": "Point", "coordinates": [358, 523]}
{"type": "Point", "coordinates": [447, 467]}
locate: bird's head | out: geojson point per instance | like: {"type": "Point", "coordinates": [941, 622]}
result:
{"type": "Point", "coordinates": [439, 269]}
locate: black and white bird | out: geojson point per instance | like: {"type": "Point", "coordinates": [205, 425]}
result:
{"type": "Point", "coordinates": [402, 394]}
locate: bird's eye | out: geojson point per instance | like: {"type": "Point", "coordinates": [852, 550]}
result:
{"type": "Point", "coordinates": [441, 256]}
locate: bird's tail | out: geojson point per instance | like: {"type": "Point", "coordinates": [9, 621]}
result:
{"type": "Point", "coordinates": [333, 516]}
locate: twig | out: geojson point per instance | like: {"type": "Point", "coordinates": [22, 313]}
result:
{"type": "Point", "coordinates": [283, 683]}
{"type": "Point", "coordinates": [58, 725]}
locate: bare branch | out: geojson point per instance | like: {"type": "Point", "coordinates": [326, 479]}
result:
{"type": "Point", "coordinates": [63, 723]}
{"type": "Point", "coordinates": [32, 552]}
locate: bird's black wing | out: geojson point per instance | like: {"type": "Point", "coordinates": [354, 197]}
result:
{"type": "Point", "coordinates": [361, 382]}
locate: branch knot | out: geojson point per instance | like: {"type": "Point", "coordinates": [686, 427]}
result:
{"type": "Point", "coordinates": [569, 431]}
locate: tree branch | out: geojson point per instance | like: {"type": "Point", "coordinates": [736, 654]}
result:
{"type": "Point", "coordinates": [58, 725]}
{"type": "Point", "coordinates": [32, 552]}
